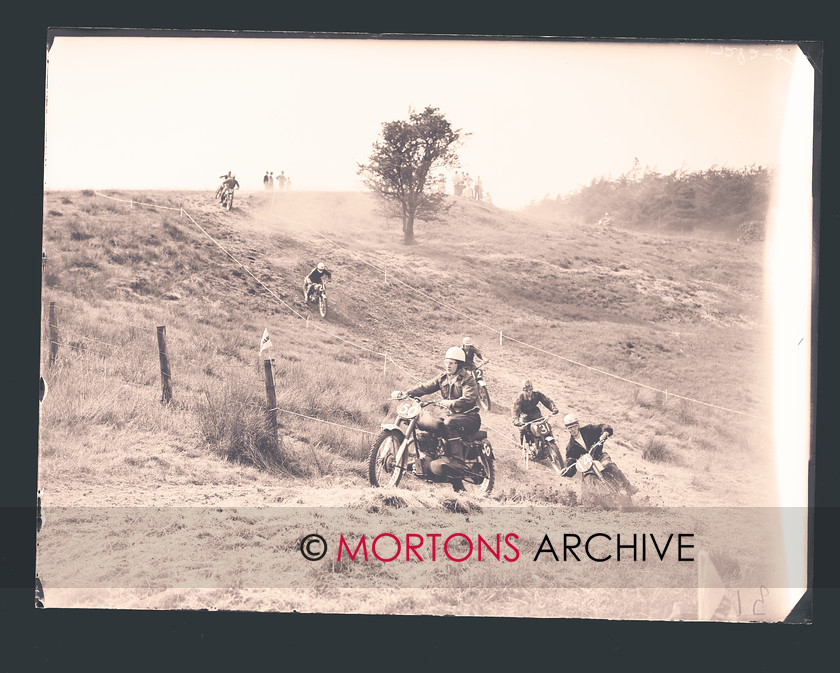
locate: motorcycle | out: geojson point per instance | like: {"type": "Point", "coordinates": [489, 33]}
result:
{"type": "Point", "coordinates": [227, 199]}
{"type": "Point", "coordinates": [483, 395]}
{"type": "Point", "coordinates": [317, 293]}
{"type": "Point", "coordinates": [598, 486]}
{"type": "Point", "coordinates": [414, 439]}
{"type": "Point", "coordinates": [540, 444]}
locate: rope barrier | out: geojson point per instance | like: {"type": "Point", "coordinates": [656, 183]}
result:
{"type": "Point", "coordinates": [441, 303]}
{"type": "Point", "coordinates": [321, 420]}
{"type": "Point", "coordinates": [501, 337]}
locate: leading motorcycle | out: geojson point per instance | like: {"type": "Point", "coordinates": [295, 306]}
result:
{"type": "Point", "coordinates": [410, 442]}
{"type": "Point", "coordinates": [599, 487]}
{"type": "Point", "coordinates": [317, 293]}
{"type": "Point", "coordinates": [539, 443]}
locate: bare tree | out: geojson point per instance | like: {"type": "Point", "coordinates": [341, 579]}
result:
{"type": "Point", "coordinates": [401, 163]}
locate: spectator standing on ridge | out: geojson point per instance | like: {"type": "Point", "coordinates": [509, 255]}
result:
{"type": "Point", "coordinates": [281, 182]}
{"type": "Point", "coordinates": [265, 181]}
{"type": "Point", "coordinates": [478, 189]}
{"type": "Point", "coordinates": [468, 186]}
{"type": "Point", "coordinates": [271, 181]}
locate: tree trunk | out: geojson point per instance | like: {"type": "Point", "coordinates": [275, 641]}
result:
{"type": "Point", "coordinates": [408, 229]}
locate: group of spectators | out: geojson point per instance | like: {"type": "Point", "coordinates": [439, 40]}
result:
{"type": "Point", "coordinates": [284, 183]}
{"type": "Point", "coordinates": [464, 185]}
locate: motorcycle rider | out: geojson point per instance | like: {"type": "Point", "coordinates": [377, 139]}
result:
{"type": "Point", "coordinates": [221, 187]}
{"type": "Point", "coordinates": [581, 440]}
{"type": "Point", "coordinates": [526, 408]}
{"type": "Point", "coordinates": [315, 277]}
{"type": "Point", "coordinates": [471, 352]}
{"type": "Point", "coordinates": [460, 395]}
{"type": "Point", "coordinates": [229, 184]}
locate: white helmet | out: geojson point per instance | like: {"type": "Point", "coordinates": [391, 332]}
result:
{"type": "Point", "coordinates": [467, 341]}
{"type": "Point", "coordinates": [570, 419]}
{"type": "Point", "coordinates": [233, 175]}
{"type": "Point", "coordinates": [321, 266]}
{"type": "Point", "coordinates": [455, 353]}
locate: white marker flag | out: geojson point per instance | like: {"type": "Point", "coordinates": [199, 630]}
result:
{"type": "Point", "coordinates": [265, 342]}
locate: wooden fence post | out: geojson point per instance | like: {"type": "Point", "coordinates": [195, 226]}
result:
{"type": "Point", "coordinates": [165, 374]}
{"type": "Point", "coordinates": [53, 334]}
{"type": "Point", "coordinates": [271, 399]}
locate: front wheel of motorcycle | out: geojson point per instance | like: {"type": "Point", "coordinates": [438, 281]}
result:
{"type": "Point", "coordinates": [382, 459]}
{"type": "Point", "coordinates": [322, 305]}
{"type": "Point", "coordinates": [555, 457]}
{"type": "Point", "coordinates": [483, 398]}
{"type": "Point", "coordinates": [596, 492]}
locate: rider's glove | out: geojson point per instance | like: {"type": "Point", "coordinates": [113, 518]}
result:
{"type": "Point", "coordinates": [555, 412]}
{"type": "Point", "coordinates": [397, 394]}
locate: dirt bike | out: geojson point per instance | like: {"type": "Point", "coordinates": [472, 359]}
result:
{"type": "Point", "coordinates": [227, 199]}
{"type": "Point", "coordinates": [598, 486]}
{"type": "Point", "coordinates": [415, 436]}
{"type": "Point", "coordinates": [317, 293]}
{"type": "Point", "coordinates": [540, 443]}
{"type": "Point", "coordinates": [483, 394]}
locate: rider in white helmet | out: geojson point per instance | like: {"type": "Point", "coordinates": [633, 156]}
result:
{"type": "Point", "coordinates": [471, 352]}
{"type": "Point", "coordinates": [581, 440]}
{"type": "Point", "coordinates": [460, 394]}
{"type": "Point", "coordinates": [315, 277]}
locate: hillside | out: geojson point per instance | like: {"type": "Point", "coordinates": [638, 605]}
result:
{"type": "Point", "coordinates": [600, 318]}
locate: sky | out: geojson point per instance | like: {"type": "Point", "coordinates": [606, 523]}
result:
{"type": "Point", "coordinates": [544, 117]}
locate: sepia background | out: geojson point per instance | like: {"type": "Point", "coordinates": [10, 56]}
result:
{"type": "Point", "coordinates": [682, 318]}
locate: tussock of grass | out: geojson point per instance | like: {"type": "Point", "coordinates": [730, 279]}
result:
{"type": "Point", "coordinates": [656, 451]}
{"type": "Point", "coordinates": [233, 422]}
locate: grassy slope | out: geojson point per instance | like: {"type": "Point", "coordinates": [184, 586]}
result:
{"type": "Point", "coordinates": [677, 314]}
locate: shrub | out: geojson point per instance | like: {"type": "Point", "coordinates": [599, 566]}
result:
{"type": "Point", "coordinates": [656, 451]}
{"type": "Point", "coordinates": [751, 231]}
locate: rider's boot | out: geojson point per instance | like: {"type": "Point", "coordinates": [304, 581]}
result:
{"type": "Point", "coordinates": [418, 466]}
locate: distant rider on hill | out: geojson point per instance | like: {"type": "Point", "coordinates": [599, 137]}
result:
{"type": "Point", "coordinates": [221, 187]}
{"type": "Point", "coordinates": [581, 440]}
{"type": "Point", "coordinates": [526, 408]}
{"type": "Point", "coordinates": [460, 394]}
{"type": "Point", "coordinates": [315, 277]}
{"type": "Point", "coordinates": [229, 184]}
{"type": "Point", "coordinates": [471, 353]}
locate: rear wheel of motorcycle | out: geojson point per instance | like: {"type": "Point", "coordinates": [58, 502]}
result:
{"type": "Point", "coordinates": [597, 493]}
{"type": "Point", "coordinates": [322, 306]}
{"type": "Point", "coordinates": [484, 398]}
{"type": "Point", "coordinates": [483, 464]}
{"type": "Point", "coordinates": [382, 466]}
